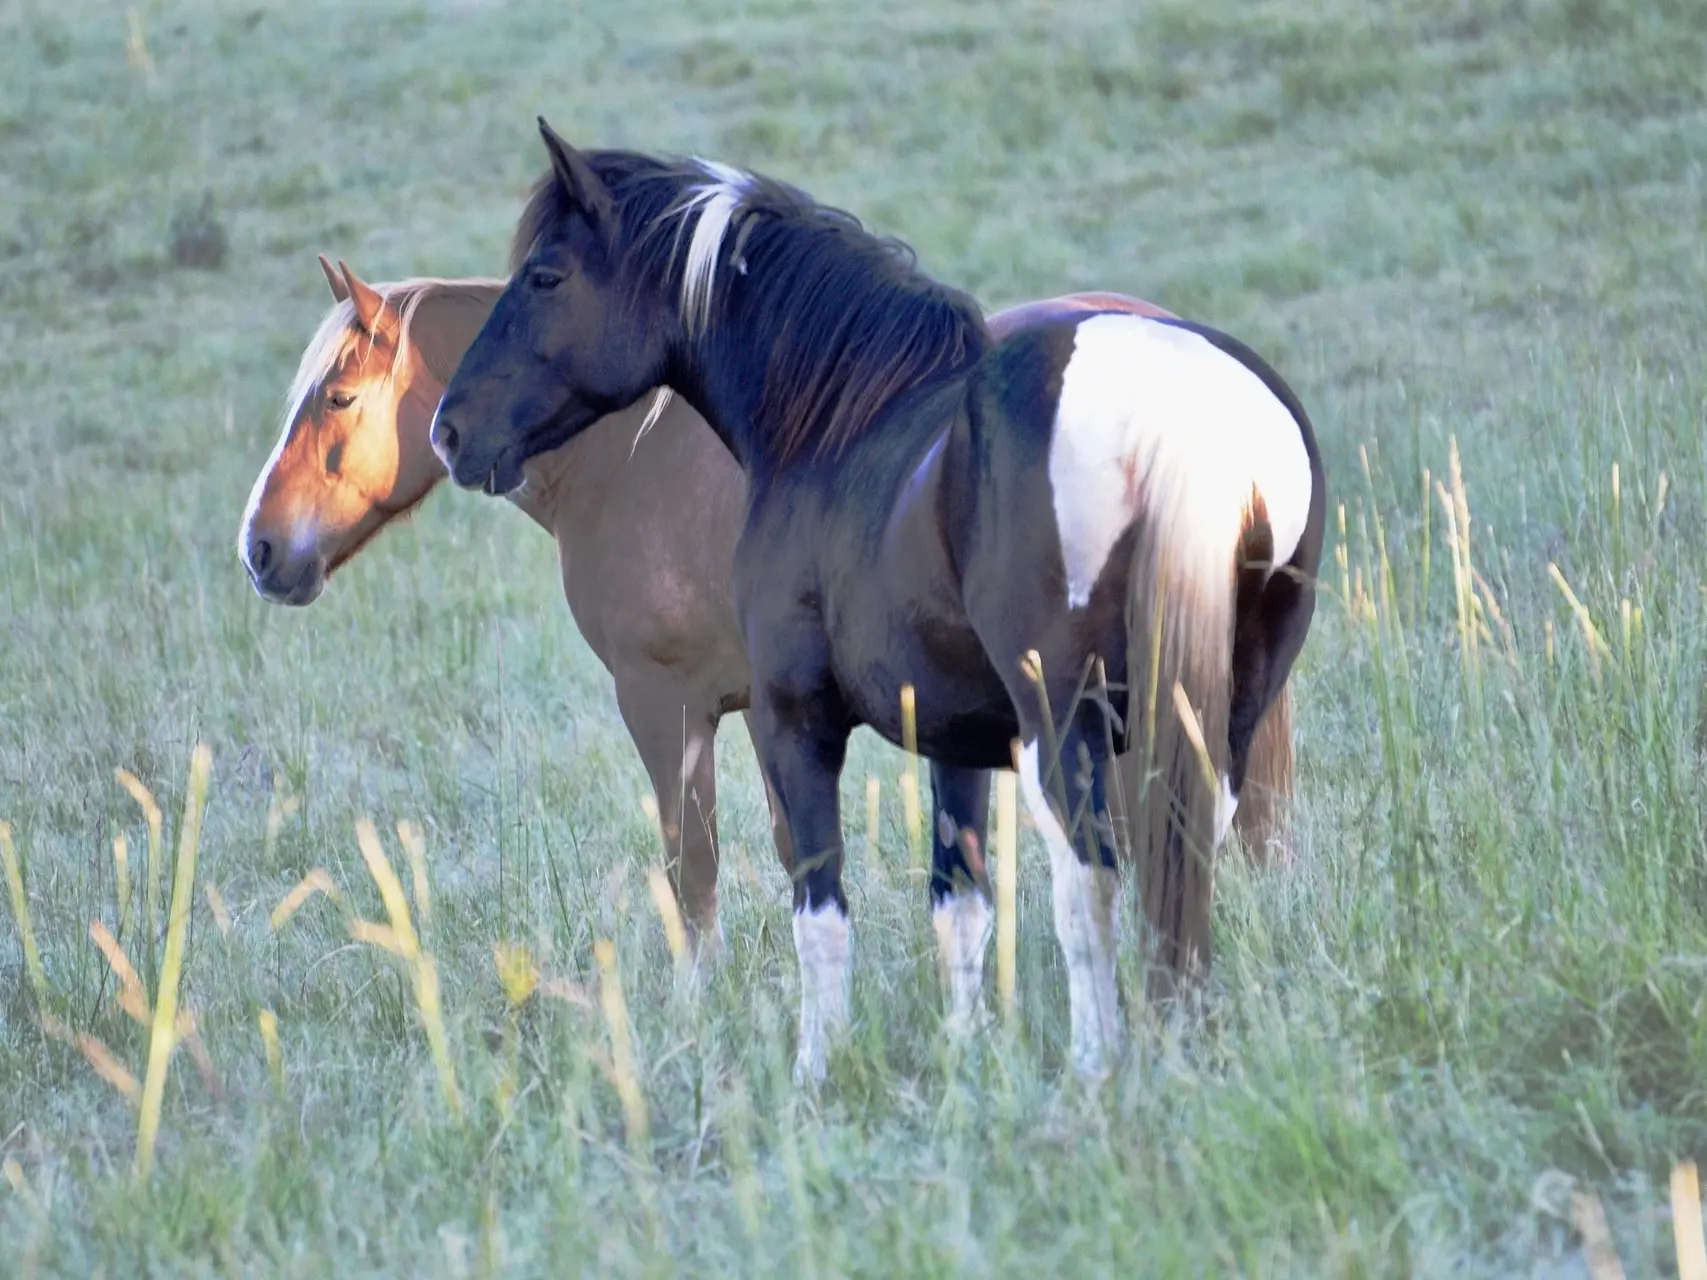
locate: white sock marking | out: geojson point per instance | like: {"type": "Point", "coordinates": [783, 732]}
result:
{"type": "Point", "coordinates": [1085, 898]}
{"type": "Point", "coordinates": [1156, 420]}
{"type": "Point", "coordinates": [1226, 805]}
{"type": "Point", "coordinates": [963, 922]}
{"type": "Point", "coordinates": [823, 944]}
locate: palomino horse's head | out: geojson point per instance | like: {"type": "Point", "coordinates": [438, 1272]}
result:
{"type": "Point", "coordinates": [353, 454]}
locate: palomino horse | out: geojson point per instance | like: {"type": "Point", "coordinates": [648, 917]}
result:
{"type": "Point", "coordinates": [989, 521]}
{"type": "Point", "coordinates": [645, 524]}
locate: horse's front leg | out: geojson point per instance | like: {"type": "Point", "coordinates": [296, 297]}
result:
{"type": "Point", "coordinates": [961, 912]}
{"type": "Point", "coordinates": [802, 745]}
{"type": "Point", "coordinates": [674, 726]}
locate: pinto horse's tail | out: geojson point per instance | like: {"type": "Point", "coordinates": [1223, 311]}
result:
{"type": "Point", "coordinates": [1201, 518]}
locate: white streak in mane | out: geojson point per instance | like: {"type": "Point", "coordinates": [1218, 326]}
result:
{"type": "Point", "coordinates": [718, 201]}
{"type": "Point", "coordinates": [660, 401]}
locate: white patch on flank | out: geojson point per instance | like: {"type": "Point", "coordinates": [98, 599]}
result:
{"type": "Point", "coordinates": [1226, 805]}
{"type": "Point", "coordinates": [1156, 420]}
{"type": "Point", "coordinates": [963, 922]}
{"type": "Point", "coordinates": [822, 943]}
{"type": "Point", "coordinates": [1084, 923]}
{"type": "Point", "coordinates": [718, 201]}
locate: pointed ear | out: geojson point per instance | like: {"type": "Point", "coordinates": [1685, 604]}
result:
{"type": "Point", "coordinates": [340, 291]}
{"type": "Point", "coordinates": [369, 304]}
{"type": "Point", "coordinates": [578, 177]}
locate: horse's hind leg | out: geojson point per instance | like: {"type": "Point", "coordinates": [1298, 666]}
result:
{"type": "Point", "coordinates": [960, 885]}
{"type": "Point", "coordinates": [1069, 803]}
{"type": "Point", "coordinates": [674, 726]}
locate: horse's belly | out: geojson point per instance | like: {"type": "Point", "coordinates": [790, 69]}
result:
{"type": "Point", "coordinates": [962, 713]}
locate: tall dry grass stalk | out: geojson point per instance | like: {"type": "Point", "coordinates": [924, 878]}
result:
{"type": "Point", "coordinates": [401, 939]}
{"type": "Point", "coordinates": [21, 915]}
{"type": "Point", "coordinates": [156, 870]}
{"type": "Point", "coordinates": [910, 813]}
{"type": "Point", "coordinates": [625, 1074]}
{"type": "Point", "coordinates": [163, 1036]}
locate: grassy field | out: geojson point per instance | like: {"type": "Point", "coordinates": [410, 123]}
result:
{"type": "Point", "coordinates": [1478, 986]}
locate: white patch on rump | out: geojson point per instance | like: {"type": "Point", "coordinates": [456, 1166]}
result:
{"type": "Point", "coordinates": [963, 922]}
{"type": "Point", "coordinates": [1085, 898]}
{"type": "Point", "coordinates": [823, 944]}
{"type": "Point", "coordinates": [1156, 420]}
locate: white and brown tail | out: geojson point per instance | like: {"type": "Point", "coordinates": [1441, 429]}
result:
{"type": "Point", "coordinates": [1215, 463]}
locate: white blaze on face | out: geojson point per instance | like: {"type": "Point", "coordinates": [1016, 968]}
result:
{"type": "Point", "coordinates": [1085, 898]}
{"type": "Point", "coordinates": [963, 921]}
{"type": "Point", "coordinates": [1155, 420]}
{"type": "Point", "coordinates": [823, 944]}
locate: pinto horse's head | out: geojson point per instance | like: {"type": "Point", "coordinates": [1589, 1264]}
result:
{"type": "Point", "coordinates": [572, 336]}
{"type": "Point", "coordinates": [353, 454]}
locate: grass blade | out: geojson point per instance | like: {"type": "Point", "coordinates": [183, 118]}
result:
{"type": "Point", "coordinates": [163, 1037]}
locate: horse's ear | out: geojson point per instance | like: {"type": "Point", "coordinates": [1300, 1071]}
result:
{"type": "Point", "coordinates": [369, 304]}
{"type": "Point", "coordinates": [340, 290]}
{"type": "Point", "coordinates": [577, 176]}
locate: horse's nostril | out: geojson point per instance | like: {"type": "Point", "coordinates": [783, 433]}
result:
{"type": "Point", "coordinates": [260, 555]}
{"type": "Point", "coordinates": [448, 440]}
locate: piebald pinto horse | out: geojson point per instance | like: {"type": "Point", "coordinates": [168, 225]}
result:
{"type": "Point", "coordinates": [999, 523]}
{"type": "Point", "coordinates": [645, 524]}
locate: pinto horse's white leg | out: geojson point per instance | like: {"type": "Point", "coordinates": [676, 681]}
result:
{"type": "Point", "coordinates": [823, 944]}
{"type": "Point", "coordinates": [1085, 899]}
{"type": "Point", "coordinates": [964, 922]}
{"type": "Point", "coordinates": [961, 910]}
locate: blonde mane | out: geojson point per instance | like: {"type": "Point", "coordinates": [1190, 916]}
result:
{"type": "Point", "coordinates": [338, 331]}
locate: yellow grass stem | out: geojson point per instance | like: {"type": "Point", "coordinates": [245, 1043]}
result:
{"type": "Point", "coordinates": [1596, 642]}
{"type": "Point", "coordinates": [21, 914]}
{"type": "Point", "coordinates": [414, 843]}
{"type": "Point", "coordinates": [1194, 733]}
{"type": "Point", "coordinates": [156, 852]}
{"type": "Point", "coordinates": [400, 938]}
{"type": "Point", "coordinates": [519, 977]}
{"type": "Point", "coordinates": [624, 1073]}
{"type": "Point", "coordinates": [216, 906]}
{"type": "Point", "coordinates": [1007, 891]}
{"type": "Point", "coordinates": [110, 1069]}
{"type": "Point", "coordinates": [910, 779]}
{"type": "Point", "coordinates": [269, 1024]}
{"type": "Point", "coordinates": [390, 887]}
{"type": "Point", "coordinates": [133, 998]}
{"type": "Point", "coordinates": [121, 880]}
{"type": "Point", "coordinates": [517, 972]}
{"type": "Point", "coordinates": [432, 1013]}
{"type": "Point", "coordinates": [163, 1038]}
{"type": "Point", "coordinates": [675, 933]}
{"type": "Point", "coordinates": [1686, 1220]}
{"type": "Point", "coordinates": [316, 881]}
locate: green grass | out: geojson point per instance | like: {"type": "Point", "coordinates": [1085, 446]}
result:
{"type": "Point", "coordinates": [1480, 983]}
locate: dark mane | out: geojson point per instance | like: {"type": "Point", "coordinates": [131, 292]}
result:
{"type": "Point", "coordinates": [848, 320]}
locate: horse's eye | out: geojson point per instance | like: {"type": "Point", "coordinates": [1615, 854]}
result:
{"type": "Point", "coordinates": [544, 280]}
{"type": "Point", "coordinates": [338, 400]}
